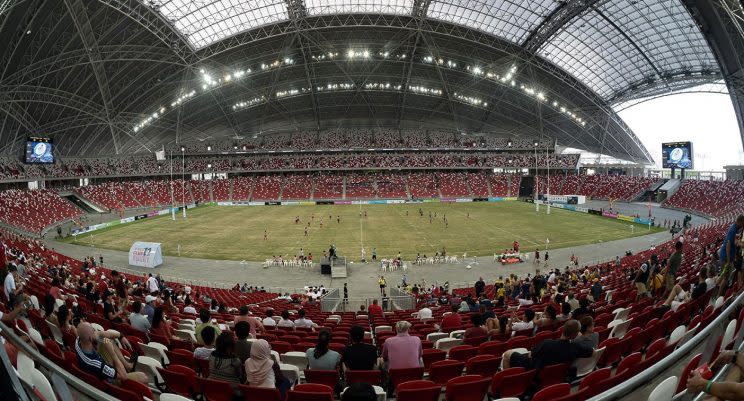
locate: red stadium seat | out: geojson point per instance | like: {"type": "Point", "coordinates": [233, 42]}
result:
{"type": "Point", "coordinates": [442, 371]}
{"type": "Point", "coordinates": [310, 392]}
{"type": "Point", "coordinates": [553, 392]}
{"type": "Point", "coordinates": [327, 377]}
{"type": "Point", "coordinates": [216, 390]}
{"type": "Point", "coordinates": [483, 365]}
{"type": "Point", "coordinates": [251, 393]}
{"type": "Point", "coordinates": [373, 377]}
{"type": "Point", "coordinates": [467, 388]}
{"type": "Point", "coordinates": [418, 390]}
{"type": "Point", "coordinates": [398, 376]}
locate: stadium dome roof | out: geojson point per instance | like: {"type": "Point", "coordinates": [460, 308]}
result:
{"type": "Point", "coordinates": [118, 76]}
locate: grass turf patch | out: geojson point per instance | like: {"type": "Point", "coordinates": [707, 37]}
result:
{"type": "Point", "coordinates": [237, 232]}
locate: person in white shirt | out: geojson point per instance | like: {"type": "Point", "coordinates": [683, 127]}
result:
{"type": "Point", "coordinates": [285, 322]}
{"type": "Point", "coordinates": [526, 323]}
{"type": "Point", "coordinates": [712, 280]}
{"type": "Point", "coordinates": [269, 320]}
{"type": "Point", "coordinates": [152, 284]}
{"type": "Point", "coordinates": [11, 290]}
{"type": "Point", "coordinates": [302, 322]}
{"type": "Point", "coordinates": [189, 308]}
{"type": "Point", "coordinates": [425, 313]}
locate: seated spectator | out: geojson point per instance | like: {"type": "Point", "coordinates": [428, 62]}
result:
{"type": "Point", "coordinates": [269, 320]}
{"type": "Point", "coordinates": [678, 296]}
{"type": "Point", "coordinates": [65, 320]}
{"type": "Point", "coordinates": [137, 320]}
{"type": "Point", "coordinates": [262, 371]}
{"type": "Point", "coordinates": [259, 368]}
{"type": "Point", "coordinates": [206, 321]}
{"type": "Point", "coordinates": [109, 312]}
{"type": "Point", "coordinates": [526, 323]}
{"type": "Point", "coordinates": [188, 308]}
{"type": "Point", "coordinates": [320, 357]}
{"type": "Point", "coordinates": [583, 309]}
{"type": "Point", "coordinates": [425, 313]}
{"type": "Point", "coordinates": [242, 345]}
{"type": "Point", "coordinates": [565, 312]}
{"type": "Point", "coordinates": [223, 364]}
{"type": "Point", "coordinates": [48, 309]}
{"type": "Point", "coordinates": [730, 388]}
{"type": "Point", "coordinates": [160, 326]}
{"type": "Point", "coordinates": [359, 392]}
{"type": "Point", "coordinates": [208, 335]}
{"type": "Point", "coordinates": [596, 290]}
{"type": "Point", "coordinates": [550, 352]}
{"type": "Point", "coordinates": [572, 301]}
{"type": "Point", "coordinates": [256, 327]}
{"type": "Point", "coordinates": [548, 317]}
{"type": "Point", "coordinates": [403, 350]}
{"type": "Point", "coordinates": [451, 321]}
{"type": "Point", "coordinates": [302, 322]}
{"type": "Point", "coordinates": [362, 310]}
{"type": "Point", "coordinates": [55, 291]}
{"type": "Point", "coordinates": [477, 330]}
{"type": "Point", "coordinates": [358, 355]}
{"type": "Point", "coordinates": [375, 309]}
{"type": "Point", "coordinates": [285, 322]}
{"type": "Point", "coordinates": [97, 354]}
{"type": "Point", "coordinates": [148, 309]}
{"type": "Point", "coordinates": [587, 336]}
{"type": "Point", "coordinates": [497, 326]}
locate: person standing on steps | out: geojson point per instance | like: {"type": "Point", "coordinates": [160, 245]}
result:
{"type": "Point", "coordinates": [382, 284]}
{"type": "Point", "coordinates": [346, 294]}
{"type": "Point", "coordinates": [374, 254]}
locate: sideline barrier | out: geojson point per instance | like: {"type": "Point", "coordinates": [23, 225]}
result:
{"type": "Point", "coordinates": [711, 333]}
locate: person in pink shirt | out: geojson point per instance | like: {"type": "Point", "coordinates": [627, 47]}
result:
{"type": "Point", "coordinates": [256, 325]}
{"type": "Point", "coordinates": [402, 351]}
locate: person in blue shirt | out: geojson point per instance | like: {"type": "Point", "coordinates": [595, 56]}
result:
{"type": "Point", "coordinates": [730, 252]}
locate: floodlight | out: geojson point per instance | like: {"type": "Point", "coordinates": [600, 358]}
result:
{"type": "Point", "coordinates": [535, 143]}
{"type": "Point", "coordinates": [209, 148]}
{"type": "Point", "coordinates": [183, 149]}
{"type": "Point", "coordinates": [509, 144]}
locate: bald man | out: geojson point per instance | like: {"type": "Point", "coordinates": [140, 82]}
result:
{"type": "Point", "coordinates": [97, 354]}
{"type": "Point", "coordinates": [550, 352]}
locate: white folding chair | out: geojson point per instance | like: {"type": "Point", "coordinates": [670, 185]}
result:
{"type": "Point", "coordinates": [383, 328]}
{"type": "Point", "coordinates": [43, 386]}
{"type": "Point", "coordinates": [728, 335]}
{"type": "Point", "coordinates": [719, 303]}
{"type": "Point", "coordinates": [677, 334]}
{"type": "Point", "coordinates": [56, 332]}
{"type": "Point", "coordinates": [148, 366]}
{"type": "Point", "coordinates": [295, 358]}
{"type": "Point", "coordinates": [157, 351]}
{"type": "Point", "coordinates": [25, 368]}
{"type": "Point", "coordinates": [457, 333]}
{"type": "Point", "coordinates": [433, 337]}
{"type": "Point", "coordinates": [619, 329]}
{"type": "Point", "coordinates": [584, 366]}
{"type": "Point", "coordinates": [173, 397]}
{"type": "Point", "coordinates": [445, 344]}
{"type": "Point", "coordinates": [665, 390]}
{"type": "Point", "coordinates": [621, 313]}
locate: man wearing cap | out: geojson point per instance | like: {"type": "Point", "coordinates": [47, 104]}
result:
{"type": "Point", "coordinates": [149, 308]}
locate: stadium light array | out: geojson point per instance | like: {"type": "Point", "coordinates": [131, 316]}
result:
{"type": "Point", "coordinates": [509, 79]}
{"type": "Point", "coordinates": [249, 103]}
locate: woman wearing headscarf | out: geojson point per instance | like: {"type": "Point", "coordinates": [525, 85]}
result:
{"type": "Point", "coordinates": [259, 368]}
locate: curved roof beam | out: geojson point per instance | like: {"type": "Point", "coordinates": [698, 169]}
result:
{"type": "Point", "coordinates": [561, 16]}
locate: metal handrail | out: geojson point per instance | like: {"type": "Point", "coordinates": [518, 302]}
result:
{"type": "Point", "coordinates": [670, 360]}
{"type": "Point", "coordinates": [83, 387]}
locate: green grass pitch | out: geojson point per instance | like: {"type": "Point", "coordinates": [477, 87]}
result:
{"type": "Point", "coordinates": [237, 232]}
